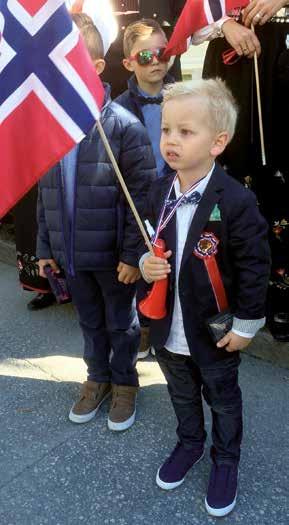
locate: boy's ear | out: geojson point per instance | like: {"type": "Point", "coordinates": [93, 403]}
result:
{"type": "Point", "coordinates": [127, 64]}
{"type": "Point", "coordinates": [99, 65]}
{"type": "Point", "coordinates": [220, 142]}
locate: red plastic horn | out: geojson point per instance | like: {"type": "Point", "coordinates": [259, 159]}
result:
{"type": "Point", "coordinates": [154, 305]}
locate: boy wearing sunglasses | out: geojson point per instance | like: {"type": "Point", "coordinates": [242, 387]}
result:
{"type": "Point", "coordinates": [144, 43]}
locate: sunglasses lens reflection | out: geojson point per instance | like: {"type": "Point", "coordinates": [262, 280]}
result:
{"type": "Point", "coordinates": [146, 56]}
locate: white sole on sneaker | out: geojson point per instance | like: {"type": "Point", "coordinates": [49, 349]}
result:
{"type": "Point", "coordinates": [170, 486]}
{"type": "Point", "coordinates": [85, 418]}
{"type": "Point", "coordinates": [153, 352]}
{"type": "Point", "coordinates": [219, 513]}
{"type": "Point", "coordinates": [167, 486]}
{"type": "Point", "coordinates": [143, 355]}
{"type": "Point", "coordinates": [124, 425]}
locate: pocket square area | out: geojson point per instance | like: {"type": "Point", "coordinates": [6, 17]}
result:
{"type": "Point", "coordinates": [216, 214]}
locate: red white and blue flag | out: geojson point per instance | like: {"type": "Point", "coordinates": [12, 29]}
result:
{"type": "Point", "coordinates": [50, 94]}
{"type": "Point", "coordinates": [195, 15]}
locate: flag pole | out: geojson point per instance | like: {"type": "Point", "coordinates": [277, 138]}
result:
{"type": "Point", "coordinates": [124, 186]}
{"type": "Point", "coordinates": [261, 128]}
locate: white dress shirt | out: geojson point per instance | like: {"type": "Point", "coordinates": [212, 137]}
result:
{"type": "Point", "coordinates": [176, 341]}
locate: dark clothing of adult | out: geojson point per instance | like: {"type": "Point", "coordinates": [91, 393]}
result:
{"type": "Point", "coordinates": [115, 73]}
{"type": "Point", "coordinates": [26, 224]}
{"type": "Point", "coordinates": [162, 11]}
{"type": "Point", "coordinates": [243, 154]}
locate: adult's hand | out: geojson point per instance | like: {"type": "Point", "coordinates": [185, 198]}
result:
{"type": "Point", "coordinates": [242, 39]}
{"type": "Point", "coordinates": [260, 11]}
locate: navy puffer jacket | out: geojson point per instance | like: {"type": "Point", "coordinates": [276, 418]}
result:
{"type": "Point", "coordinates": [102, 230]}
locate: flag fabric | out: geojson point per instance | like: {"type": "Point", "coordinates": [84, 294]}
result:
{"type": "Point", "coordinates": [101, 13]}
{"type": "Point", "coordinates": [50, 95]}
{"type": "Point", "coordinates": [195, 15]}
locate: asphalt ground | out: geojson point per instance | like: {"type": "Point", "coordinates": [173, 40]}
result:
{"type": "Point", "coordinates": [53, 472]}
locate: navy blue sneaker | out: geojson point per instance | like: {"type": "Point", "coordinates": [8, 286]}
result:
{"type": "Point", "coordinates": [173, 472]}
{"type": "Point", "coordinates": [222, 490]}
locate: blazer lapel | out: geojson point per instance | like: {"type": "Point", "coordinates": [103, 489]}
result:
{"type": "Point", "coordinates": [168, 234]}
{"type": "Point", "coordinates": [209, 199]}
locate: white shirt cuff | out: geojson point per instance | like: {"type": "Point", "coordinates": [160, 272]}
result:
{"type": "Point", "coordinates": [209, 32]}
{"type": "Point", "coordinates": [243, 334]}
{"type": "Point", "coordinates": [247, 327]}
{"type": "Point", "coordinates": [141, 263]}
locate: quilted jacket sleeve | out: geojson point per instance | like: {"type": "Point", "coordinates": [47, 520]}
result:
{"type": "Point", "coordinates": [137, 165]}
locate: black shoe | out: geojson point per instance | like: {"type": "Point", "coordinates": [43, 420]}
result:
{"type": "Point", "coordinates": [42, 300]}
{"type": "Point", "coordinates": [29, 275]}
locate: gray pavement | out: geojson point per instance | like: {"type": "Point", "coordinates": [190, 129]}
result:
{"type": "Point", "coordinates": [53, 472]}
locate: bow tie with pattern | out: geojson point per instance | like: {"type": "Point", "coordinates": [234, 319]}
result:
{"type": "Point", "coordinates": [149, 100]}
{"type": "Point", "coordinates": [194, 198]}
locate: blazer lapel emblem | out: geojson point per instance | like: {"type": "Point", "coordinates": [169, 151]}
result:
{"type": "Point", "coordinates": [208, 205]}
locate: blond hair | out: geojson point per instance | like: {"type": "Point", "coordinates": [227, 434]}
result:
{"type": "Point", "coordinates": [141, 28]}
{"type": "Point", "coordinates": [218, 99]}
{"type": "Point", "coordinates": [90, 34]}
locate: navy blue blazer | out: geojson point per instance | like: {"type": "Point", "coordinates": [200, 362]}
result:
{"type": "Point", "coordinates": [243, 258]}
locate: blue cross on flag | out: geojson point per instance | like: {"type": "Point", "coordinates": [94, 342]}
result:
{"type": "Point", "coordinates": [50, 93]}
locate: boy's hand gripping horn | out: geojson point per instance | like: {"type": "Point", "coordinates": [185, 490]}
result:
{"type": "Point", "coordinates": [154, 305]}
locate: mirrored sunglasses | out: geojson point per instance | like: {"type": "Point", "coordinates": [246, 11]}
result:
{"type": "Point", "coordinates": [146, 56]}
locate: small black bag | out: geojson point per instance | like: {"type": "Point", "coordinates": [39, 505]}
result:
{"type": "Point", "coordinates": [219, 325]}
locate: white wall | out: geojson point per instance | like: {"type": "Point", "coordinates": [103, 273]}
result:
{"type": "Point", "coordinates": [192, 61]}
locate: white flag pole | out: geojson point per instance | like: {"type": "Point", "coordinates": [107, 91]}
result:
{"type": "Point", "coordinates": [261, 128]}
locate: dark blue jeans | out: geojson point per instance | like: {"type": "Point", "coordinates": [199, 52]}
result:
{"type": "Point", "coordinates": [108, 320]}
{"type": "Point", "coordinates": [219, 386]}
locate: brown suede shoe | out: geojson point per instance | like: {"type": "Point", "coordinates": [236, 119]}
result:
{"type": "Point", "coordinates": [92, 396]}
{"type": "Point", "coordinates": [144, 347]}
{"type": "Point", "coordinates": [123, 407]}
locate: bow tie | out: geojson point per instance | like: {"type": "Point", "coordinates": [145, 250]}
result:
{"type": "Point", "coordinates": [149, 100]}
{"type": "Point", "coordinates": [194, 198]}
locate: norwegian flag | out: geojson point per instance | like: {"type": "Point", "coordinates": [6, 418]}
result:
{"type": "Point", "coordinates": [50, 93]}
{"type": "Point", "coordinates": [195, 15]}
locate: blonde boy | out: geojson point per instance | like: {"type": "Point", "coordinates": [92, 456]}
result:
{"type": "Point", "coordinates": [217, 257]}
